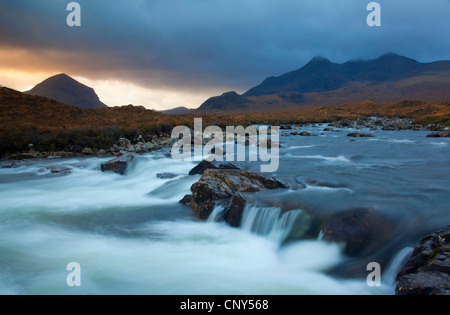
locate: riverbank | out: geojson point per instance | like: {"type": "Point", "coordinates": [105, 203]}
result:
{"type": "Point", "coordinates": [142, 143]}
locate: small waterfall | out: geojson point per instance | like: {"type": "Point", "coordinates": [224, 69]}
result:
{"type": "Point", "coordinates": [273, 223]}
{"type": "Point", "coordinates": [216, 215]}
{"type": "Point", "coordinates": [396, 265]}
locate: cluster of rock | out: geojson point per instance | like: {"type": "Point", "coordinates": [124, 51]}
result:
{"type": "Point", "coordinates": [125, 145]}
{"type": "Point", "coordinates": [32, 154]}
{"type": "Point", "coordinates": [385, 123]}
{"type": "Point", "coordinates": [122, 145]}
{"type": "Point", "coordinates": [301, 133]}
{"type": "Point", "coordinates": [428, 270]}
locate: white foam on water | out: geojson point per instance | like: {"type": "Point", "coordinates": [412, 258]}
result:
{"type": "Point", "coordinates": [87, 188]}
{"type": "Point", "coordinates": [300, 147]}
{"type": "Point", "coordinates": [403, 141]}
{"type": "Point", "coordinates": [328, 189]}
{"type": "Point", "coordinates": [440, 144]}
{"type": "Point", "coordinates": [339, 159]}
{"type": "Point", "coordinates": [272, 222]}
{"type": "Point", "coordinates": [177, 257]}
{"type": "Point", "coordinates": [396, 265]}
{"type": "Point", "coordinates": [188, 258]}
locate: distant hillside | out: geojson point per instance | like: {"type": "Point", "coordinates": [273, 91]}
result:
{"type": "Point", "coordinates": [64, 89]}
{"type": "Point", "coordinates": [177, 111]}
{"type": "Point", "coordinates": [321, 82]}
{"type": "Point", "coordinates": [230, 101]}
{"type": "Point", "coordinates": [24, 112]}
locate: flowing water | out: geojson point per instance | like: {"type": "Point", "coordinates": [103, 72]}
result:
{"type": "Point", "coordinates": [131, 236]}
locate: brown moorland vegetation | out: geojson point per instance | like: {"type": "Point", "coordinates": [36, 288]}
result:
{"type": "Point", "coordinates": [50, 125]}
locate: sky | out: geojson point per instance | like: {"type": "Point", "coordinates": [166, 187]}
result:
{"type": "Point", "coordinates": [168, 53]}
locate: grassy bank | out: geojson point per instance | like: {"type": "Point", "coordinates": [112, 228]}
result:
{"type": "Point", "coordinates": [45, 125]}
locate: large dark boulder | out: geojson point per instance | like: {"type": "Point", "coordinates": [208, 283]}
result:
{"type": "Point", "coordinates": [428, 270]}
{"type": "Point", "coordinates": [120, 164]}
{"type": "Point", "coordinates": [226, 188]}
{"type": "Point", "coordinates": [202, 167]}
{"type": "Point", "coordinates": [362, 231]}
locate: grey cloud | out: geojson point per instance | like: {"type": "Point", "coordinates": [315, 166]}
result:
{"type": "Point", "coordinates": [197, 44]}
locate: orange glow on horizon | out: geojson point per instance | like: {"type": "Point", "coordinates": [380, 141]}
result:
{"type": "Point", "coordinates": [23, 76]}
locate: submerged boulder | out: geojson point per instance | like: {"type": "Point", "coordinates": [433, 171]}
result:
{"type": "Point", "coordinates": [59, 170]}
{"type": "Point", "coordinates": [166, 175]}
{"type": "Point", "coordinates": [428, 270]}
{"type": "Point", "coordinates": [120, 164]}
{"type": "Point", "coordinates": [362, 231]}
{"type": "Point", "coordinates": [15, 165]}
{"type": "Point", "coordinates": [359, 135]}
{"type": "Point", "coordinates": [226, 188]}
{"type": "Point", "coordinates": [439, 135]}
{"type": "Point", "coordinates": [306, 134]}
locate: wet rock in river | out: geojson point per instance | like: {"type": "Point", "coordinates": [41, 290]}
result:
{"type": "Point", "coordinates": [428, 270]}
{"type": "Point", "coordinates": [226, 188]}
{"type": "Point", "coordinates": [166, 175]}
{"type": "Point", "coordinates": [439, 135]}
{"type": "Point", "coordinates": [362, 231]}
{"type": "Point", "coordinates": [202, 167]}
{"type": "Point", "coordinates": [59, 170]}
{"type": "Point", "coordinates": [359, 135]}
{"type": "Point", "coordinates": [120, 164]}
{"type": "Point", "coordinates": [15, 164]}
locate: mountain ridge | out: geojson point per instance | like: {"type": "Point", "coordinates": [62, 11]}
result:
{"type": "Point", "coordinates": [321, 82]}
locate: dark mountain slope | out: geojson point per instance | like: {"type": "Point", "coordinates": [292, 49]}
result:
{"type": "Point", "coordinates": [64, 89]}
{"type": "Point", "coordinates": [320, 82]}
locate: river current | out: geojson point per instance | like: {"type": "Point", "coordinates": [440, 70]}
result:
{"type": "Point", "coordinates": [131, 235]}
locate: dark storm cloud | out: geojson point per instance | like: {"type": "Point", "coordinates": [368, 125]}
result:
{"type": "Point", "coordinates": [231, 44]}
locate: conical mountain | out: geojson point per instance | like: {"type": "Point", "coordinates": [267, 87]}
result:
{"type": "Point", "coordinates": [67, 90]}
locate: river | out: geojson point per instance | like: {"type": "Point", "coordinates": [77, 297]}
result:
{"type": "Point", "coordinates": [131, 236]}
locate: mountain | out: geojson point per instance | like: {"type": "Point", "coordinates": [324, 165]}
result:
{"type": "Point", "coordinates": [321, 82]}
{"type": "Point", "coordinates": [321, 75]}
{"type": "Point", "coordinates": [177, 111]}
{"type": "Point", "coordinates": [64, 89]}
{"type": "Point", "coordinates": [230, 101]}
